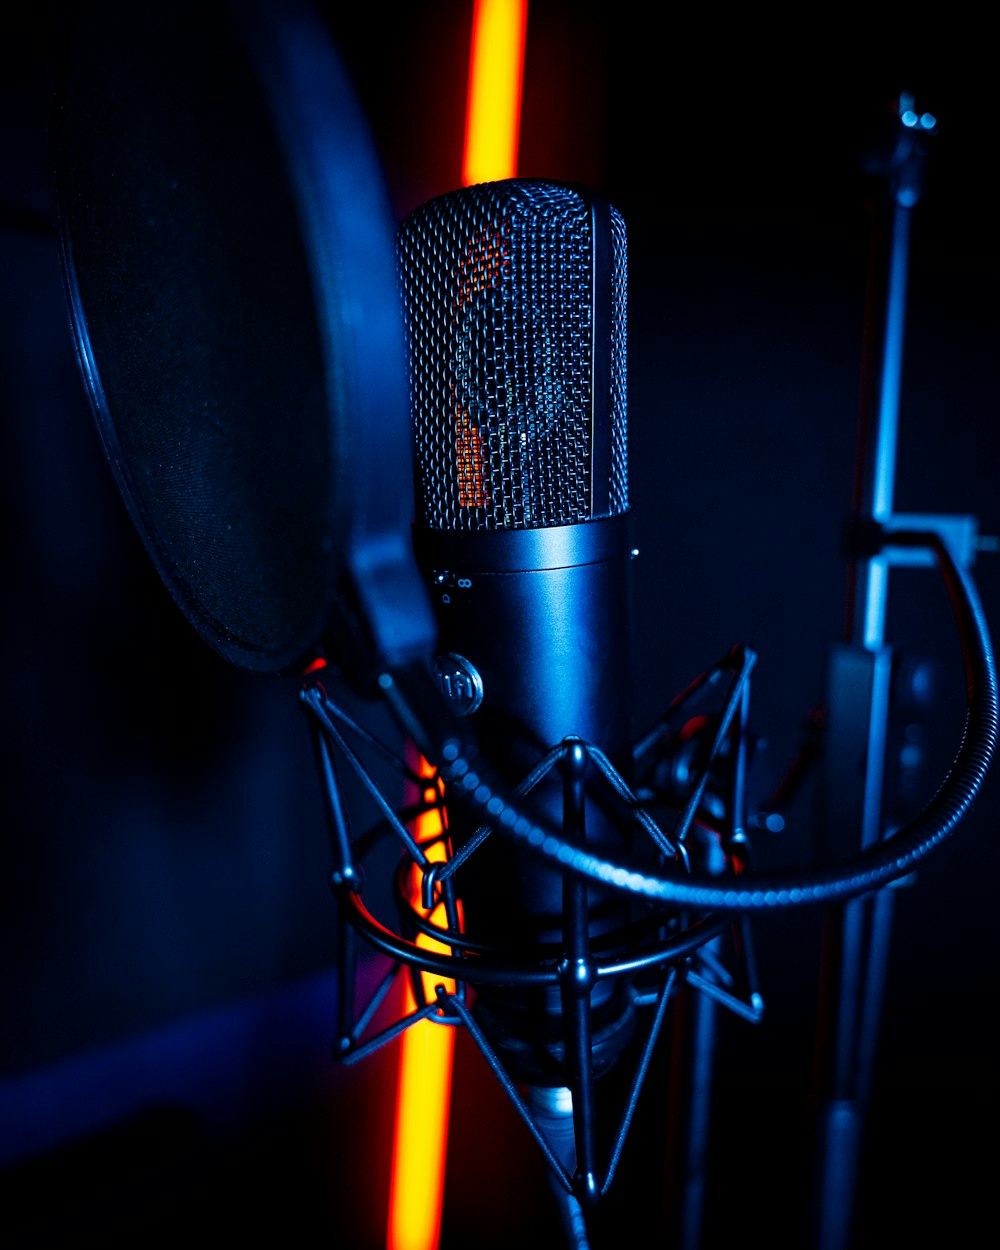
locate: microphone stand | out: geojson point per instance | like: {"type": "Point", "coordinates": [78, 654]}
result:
{"type": "Point", "coordinates": [857, 933]}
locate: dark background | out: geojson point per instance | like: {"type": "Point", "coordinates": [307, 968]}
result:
{"type": "Point", "coordinates": [167, 934]}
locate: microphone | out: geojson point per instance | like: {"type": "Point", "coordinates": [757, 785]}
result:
{"type": "Point", "coordinates": [515, 297]}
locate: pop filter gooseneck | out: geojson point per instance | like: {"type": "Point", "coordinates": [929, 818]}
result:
{"type": "Point", "coordinates": [228, 249]}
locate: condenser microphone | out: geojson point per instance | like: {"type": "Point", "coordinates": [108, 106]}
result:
{"type": "Point", "coordinates": [515, 296]}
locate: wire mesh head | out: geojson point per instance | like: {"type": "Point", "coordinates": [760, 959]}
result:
{"type": "Point", "coordinates": [519, 419]}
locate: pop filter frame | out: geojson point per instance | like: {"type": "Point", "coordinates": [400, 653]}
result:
{"type": "Point", "coordinates": [228, 251]}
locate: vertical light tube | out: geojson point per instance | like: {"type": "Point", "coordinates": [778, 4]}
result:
{"type": "Point", "coordinates": [496, 72]}
{"type": "Point", "coordinates": [492, 127]}
{"type": "Point", "coordinates": [423, 1099]}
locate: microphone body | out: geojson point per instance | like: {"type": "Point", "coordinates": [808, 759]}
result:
{"type": "Point", "coordinates": [515, 298]}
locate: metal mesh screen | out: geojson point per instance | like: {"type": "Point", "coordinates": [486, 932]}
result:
{"type": "Point", "coordinates": [498, 286]}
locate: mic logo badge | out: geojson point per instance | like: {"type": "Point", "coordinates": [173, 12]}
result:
{"type": "Point", "coordinates": [459, 682]}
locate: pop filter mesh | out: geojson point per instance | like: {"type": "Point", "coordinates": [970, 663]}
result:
{"type": "Point", "coordinates": [498, 281]}
{"type": "Point", "coordinates": [199, 338]}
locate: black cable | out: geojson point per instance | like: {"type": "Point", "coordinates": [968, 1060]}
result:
{"type": "Point", "coordinates": [878, 865]}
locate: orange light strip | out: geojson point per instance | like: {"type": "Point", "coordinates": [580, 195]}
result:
{"type": "Point", "coordinates": [423, 1098]}
{"type": "Point", "coordinates": [492, 126]}
{"type": "Point", "coordinates": [496, 72]}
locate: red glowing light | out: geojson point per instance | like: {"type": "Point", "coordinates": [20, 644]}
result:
{"type": "Point", "coordinates": [424, 1092]}
{"type": "Point", "coordinates": [493, 110]}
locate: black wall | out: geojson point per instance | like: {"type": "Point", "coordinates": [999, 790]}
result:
{"type": "Point", "coordinates": [164, 851]}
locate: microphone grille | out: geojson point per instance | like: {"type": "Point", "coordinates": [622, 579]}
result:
{"type": "Point", "coordinates": [515, 306]}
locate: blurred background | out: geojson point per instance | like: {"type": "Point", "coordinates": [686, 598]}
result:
{"type": "Point", "coordinates": [167, 936]}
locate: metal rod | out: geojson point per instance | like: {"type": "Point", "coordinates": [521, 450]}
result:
{"type": "Point", "coordinates": [857, 932]}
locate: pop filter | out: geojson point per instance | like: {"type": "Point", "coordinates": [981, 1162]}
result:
{"type": "Point", "coordinates": [228, 250]}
